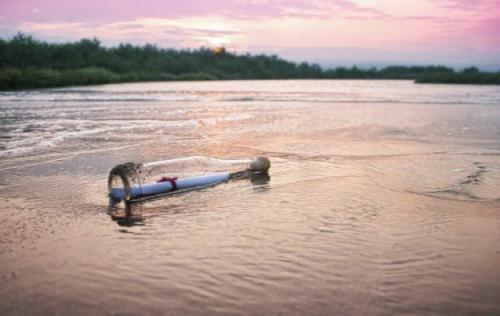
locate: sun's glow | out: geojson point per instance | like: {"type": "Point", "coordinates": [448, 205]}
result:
{"type": "Point", "coordinates": [217, 41]}
{"type": "Point", "coordinates": [218, 50]}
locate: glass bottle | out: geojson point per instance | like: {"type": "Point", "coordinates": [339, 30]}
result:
{"type": "Point", "coordinates": [133, 181]}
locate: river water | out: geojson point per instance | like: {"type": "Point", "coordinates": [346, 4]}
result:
{"type": "Point", "coordinates": [383, 198]}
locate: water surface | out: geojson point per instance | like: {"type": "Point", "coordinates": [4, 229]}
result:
{"type": "Point", "coordinates": [383, 198]}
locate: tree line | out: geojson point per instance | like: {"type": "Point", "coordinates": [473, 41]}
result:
{"type": "Point", "coordinates": [29, 63]}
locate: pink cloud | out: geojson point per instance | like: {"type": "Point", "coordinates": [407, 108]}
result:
{"type": "Point", "coordinates": [110, 11]}
{"type": "Point", "coordinates": [364, 25]}
{"type": "Point", "coordinates": [470, 4]}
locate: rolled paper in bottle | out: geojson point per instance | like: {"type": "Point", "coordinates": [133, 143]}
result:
{"type": "Point", "coordinates": [151, 189]}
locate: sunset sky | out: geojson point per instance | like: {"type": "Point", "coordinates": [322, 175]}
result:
{"type": "Point", "coordinates": [370, 32]}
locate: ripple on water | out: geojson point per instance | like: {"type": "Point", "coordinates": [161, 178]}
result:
{"type": "Point", "coordinates": [370, 208]}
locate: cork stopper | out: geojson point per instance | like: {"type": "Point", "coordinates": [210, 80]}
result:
{"type": "Point", "coordinates": [261, 164]}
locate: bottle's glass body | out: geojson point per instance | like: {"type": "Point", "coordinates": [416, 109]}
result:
{"type": "Point", "coordinates": [130, 181]}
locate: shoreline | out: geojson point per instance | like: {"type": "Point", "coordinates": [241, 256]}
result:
{"type": "Point", "coordinates": [86, 81]}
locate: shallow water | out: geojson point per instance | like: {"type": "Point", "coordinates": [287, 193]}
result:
{"type": "Point", "coordinates": [383, 198]}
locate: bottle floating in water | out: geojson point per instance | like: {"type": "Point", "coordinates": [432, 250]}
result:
{"type": "Point", "coordinates": [134, 181]}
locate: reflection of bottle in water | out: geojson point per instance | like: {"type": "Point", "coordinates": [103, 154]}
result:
{"type": "Point", "coordinates": [132, 181]}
